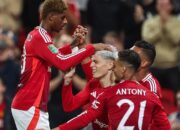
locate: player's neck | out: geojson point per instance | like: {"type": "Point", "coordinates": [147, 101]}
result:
{"type": "Point", "coordinates": [128, 76]}
{"type": "Point", "coordinates": [141, 74]}
{"type": "Point", "coordinates": [46, 27]}
{"type": "Point", "coordinates": [106, 80]}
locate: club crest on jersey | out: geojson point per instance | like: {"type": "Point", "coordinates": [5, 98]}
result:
{"type": "Point", "coordinates": [93, 94]}
{"type": "Point", "coordinates": [52, 48]}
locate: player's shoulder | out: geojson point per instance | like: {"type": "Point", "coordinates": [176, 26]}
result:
{"type": "Point", "coordinates": [151, 82]}
{"type": "Point", "coordinates": [151, 97]}
{"type": "Point", "coordinates": [41, 34]}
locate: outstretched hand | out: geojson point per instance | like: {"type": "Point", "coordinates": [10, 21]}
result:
{"type": "Point", "coordinates": [79, 36]}
{"type": "Point", "coordinates": [68, 76]}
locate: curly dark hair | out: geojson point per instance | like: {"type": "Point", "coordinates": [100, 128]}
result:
{"type": "Point", "coordinates": [52, 6]}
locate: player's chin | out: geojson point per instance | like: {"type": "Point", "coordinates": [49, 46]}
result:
{"type": "Point", "coordinates": [95, 75]}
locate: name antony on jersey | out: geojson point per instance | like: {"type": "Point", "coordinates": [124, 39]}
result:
{"type": "Point", "coordinates": [129, 91]}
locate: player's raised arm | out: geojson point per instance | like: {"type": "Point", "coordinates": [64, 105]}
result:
{"type": "Point", "coordinates": [48, 52]}
{"type": "Point", "coordinates": [72, 102]}
{"type": "Point", "coordinates": [85, 117]}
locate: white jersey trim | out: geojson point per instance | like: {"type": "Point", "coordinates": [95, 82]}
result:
{"type": "Point", "coordinates": [65, 57]}
{"type": "Point", "coordinates": [152, 82]}
{"type": "Point", "coordinates": [44, 35]}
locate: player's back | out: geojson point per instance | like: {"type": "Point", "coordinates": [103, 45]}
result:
{"type": "Point", "coordinates": [130, 106]}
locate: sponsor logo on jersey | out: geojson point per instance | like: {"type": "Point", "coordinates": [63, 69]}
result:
{"type": "Point", "coordinates": [52, 48]}
{"type": "Point", "coordinates": [100, 124]}
{"type": "Point", "coordinates": [95, 104]}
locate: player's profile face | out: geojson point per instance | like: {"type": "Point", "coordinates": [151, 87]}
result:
{"type": "Point", "coordinates": [143, 57]}
{"type": "Point", "coordinates": [59, 21]}
{"type": "Point", "coordinates": [100, 66]}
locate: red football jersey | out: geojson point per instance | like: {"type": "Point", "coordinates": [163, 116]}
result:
{"type": "Point", "coordinates": [151, 83]}
{"type": "Point", "coordinates": [130, 106]}
{"type": "Point", "coordinates": [91, 92]}
{"type": "Point", "coordinates": [38, 55]}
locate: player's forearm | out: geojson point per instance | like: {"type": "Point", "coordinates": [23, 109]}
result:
{"type": "Point", "coordinates": [67, 98]}
{"type": "Point", "coordinates": [65, 62]}
{"type": "Point", "coordinates": [72, 102]}
{"type": "Point", "coordinates": [80, 121]}
{"type": "Point", "coordinates": [79, 82]}
{"type": "Point", "coordinates": [54, 83]}
{"type": "Point", "coordinates": [65, 49]}
{"type": "Point", "coordinates": [87, 70]}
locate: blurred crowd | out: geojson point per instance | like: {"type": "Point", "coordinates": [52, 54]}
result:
{"type": "Point", "coordinates": [117, 22]}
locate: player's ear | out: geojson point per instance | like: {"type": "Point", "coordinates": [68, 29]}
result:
{"type": "Point", "coordinates": [124, 69]}
{"type": "Point", "coordinates": [111, 65]}
{"type": "Point", "coordinates": [50, 17]}
{"type": "Point", "coordinates": [144, 63]}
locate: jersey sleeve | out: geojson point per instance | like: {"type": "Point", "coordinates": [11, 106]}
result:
{"type": "Point", "coordinates": [49, 53]}
{"type": "Point", "coordinates": [65, 49]}
{"type": "Point", "coordinates": [87, 70]}
{"type": "Point", "coordinates": [71, 102]}
{"type": "Point", "coordinates": [159, 91]}
{"type": "Point", "coordinates": [86, 117]}
{"type": "Point", "coordinates": [160, 119]}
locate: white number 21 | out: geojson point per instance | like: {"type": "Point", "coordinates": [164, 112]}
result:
{"type": "Point", "coordinates": [121, 125]}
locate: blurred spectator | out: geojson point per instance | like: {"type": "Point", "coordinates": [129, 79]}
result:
{"type": "Point", "coordinates": [6, 120]}
{"type": "Point", "coordinates": [177, 6]}
{"type": "Point", "coordinates": [117, 16]}
{"type": "Point", "coordinates": [9, 69]}
{"type": "Point", "coordinates": [175, 117]}
{"type": "Point", "coordinates": [104, 16]}
{"type": "Point", "coordinates": [30, 14]}
{"type": "Point", "coordinates": [149, 7]}
{"type": "Point", "coordinates": [115, 40]}
{"type": "Point", "coordinates": [163, 31]}
{"type": "Point", "coordinates": [82, 4]}
{"type": "Point", "coordinates": [9, 14]}
{"type": "Point", "coordinates": [9, 38]}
